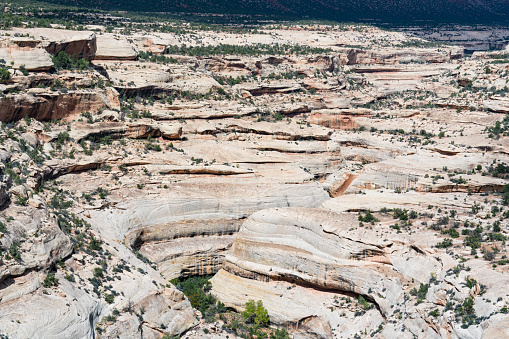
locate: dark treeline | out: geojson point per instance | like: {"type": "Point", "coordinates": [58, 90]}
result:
{"type": "Point", "coordinates": [397, 11]}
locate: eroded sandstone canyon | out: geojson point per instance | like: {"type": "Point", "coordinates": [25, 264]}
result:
{"type": "Point", "coordinates": [351, 178]}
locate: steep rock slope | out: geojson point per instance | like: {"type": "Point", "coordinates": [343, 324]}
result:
{"type": "Point", "coordinates": [307, 264]}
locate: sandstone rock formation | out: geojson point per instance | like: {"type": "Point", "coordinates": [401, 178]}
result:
{"type": "Point", "coordinates": [110, 47]}
{"type": "Point", "coordinates": [350, 178]}
{"type": "Point", "coordinates": [81, 44]}
{"type": "Point", "coordinates": [44, 105]}
{"type": "Point", "coordinates": [25, 52]}
{"type": "Point", "coordinates": [320, 255]}
{"type": "Point", "coordinates": [393, 56]}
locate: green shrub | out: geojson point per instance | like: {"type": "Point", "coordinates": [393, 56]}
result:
{"type": "Point", "coordinates": [413, 215]}
{"type": "Point", "coordinates": [50, 280]}
{"type": "Point", "coordinates": [255, 313]}
{"type": "Point", "coordinates": [23, 70]}
{"type": "Point", "coordinates": [14, 251]}
{"type": "Point", "coordinates": [280, 334]}
{"type": "Point", "coordinates": [421, 292]}
{"type": "Point", "coordinates": [500, 128]}
{"type": "Point", "coordinates": [64, 61]}
{"type": "Point", "coordinates": [368, 217]}
{"type": "Point", "coordinates": [110, 298]}
{"type": "Point", "coordinates": [364, 304]}
{"type": "Point", "coordinates": [4, 73]}
{"type": "Point", "coordinates": [21, 201]}
{"type": "Point", "coordinates": [470, 282]}
{"type": "Point", "coordinates": [98, 272]}
{"type": "Point", "coordinates": [435, 313]}
{"type": "Point", "coordinates": [400, 214]}
{"type": "Point", "coordinates": [444, 244]}
{"type": "Point", "coordinates": [3, 228]}
{"type": "Point", "coordinates": [94, 244]}
{"type": "Point", "coordinates": [196, 289]}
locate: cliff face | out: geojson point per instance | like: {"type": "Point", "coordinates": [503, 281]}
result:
{"type": "Point", "coordinates": [33, 48]}
{"type": "Point", "coordinates": [190, 235]}
{"type": "Point", "coordinates": [45, 106]}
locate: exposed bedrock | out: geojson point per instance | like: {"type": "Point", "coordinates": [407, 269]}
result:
{"type": "Point", "coordinates": [315, 247]}
{"type": "Point", "coordinates": [55, 105]}
{"type": "Point", "coordinates": [400, 55]}
{"type": "Point", "coordinates": [33, 48]}
{"type": "Point", "coordinates": [110, 47]}
{"type": "Point", "coordinates": [117, 130]}
{"type": "Point", "coordinates": [51, 245]}
{"type": "Point", "coordinates": [73, 313]}
{"type": "Point", "coordinates": [83, 44]}
{"type": "Point", "coordinates": [320, 253]}
{"type": "Point", "coordinates": [186, 232]}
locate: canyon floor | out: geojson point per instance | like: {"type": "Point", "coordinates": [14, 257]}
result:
{"type": "Point", "coordinates": [352, 179]}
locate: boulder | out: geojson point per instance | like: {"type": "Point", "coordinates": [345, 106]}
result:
{"type": "Point", "coordinates": [154, 44]}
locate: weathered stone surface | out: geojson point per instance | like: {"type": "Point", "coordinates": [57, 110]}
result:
{"type": "Point", "coordinates": [280, 130]}
{"type": "Point", "coordinates": [201, 112]}
{"type": "Point", "coordinates": [171, 132]}
{"type": "Point", "coordinates": [499, 106]}
{"type": "Point", "coordinates": [40, 255]}
{"type": "Point", "coordinates": [497, 329]}
{"type": "Point", "coordinates": [289, 149]}
{"type": "Point", "coordinates": [50, 315]}
{"type": "Point", "coordinates": [270, 89]}
{"type": "Point", "coordinates": [152, 44]}
{"type": "Point", "coordinates": [117, 130]}
{"type": "Point", "coordinates": [55, 105]}
{"type": "Point", "coordinates": [56, 168]}
{"type": "Point", "coordinates": [298, 261]}
{"type": "Point", "coordinates": [338, 118]}
{"type": "Point", "coordinates": [415, 172]}
{"type": "Point", "coordinates": [34, 52]}
{"type": "Point", "coordinates": [73, 312]}
{"type": "Point", "coordinates": [110, 47]}
{"type": "Point", "coordinates": [317, 249]}
{"type": "Point", "coordinates": [379, 199]}
{"type": "Point", "coordinates": [79, 43]}
{"type": "Point", "coordinates": [32, 58]}
{"type": "Point", "coordinates": [186, 233]}
{"type": "Point", "coordinates": [327, 266]}
{"type": "Point", "coordinates": [392, 56]}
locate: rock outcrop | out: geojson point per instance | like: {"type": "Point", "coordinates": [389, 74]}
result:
{"type": "Point", "coordinates": [302, 262]}
{"type": "Point", "coordinates": [81, 44]}
{"type": "Point", "coordinates": [316, 248]}
{"type": "Point", "coordinates": [33, 48]}
{"type": "Point", "coordinates": [110, 47]}
{"type": "Point", "coordinates": [44, 105]}
{"type": "Point", "coordinates": [186, 234]}
{"type": "Point", "coordinates": [392, 56]}
{"type": "Point", "coordinates": [25, 52]}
